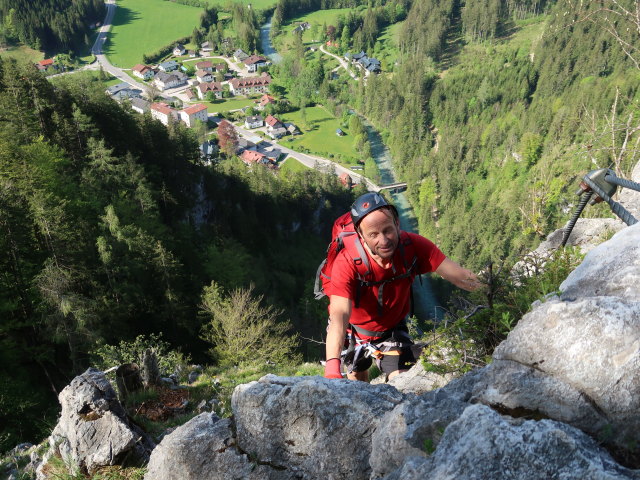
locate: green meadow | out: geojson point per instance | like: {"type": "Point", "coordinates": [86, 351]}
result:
{"type": "Point", "coordinates": [319, 137]}
{"type": "Point", "coordinates": [144, 26]}
{"type": "Point", "coordinates": [22, 53]}
{"type": "Point", "coordinates": [228, 104]}
{"type": "Point", "coordinates": [292, 165]}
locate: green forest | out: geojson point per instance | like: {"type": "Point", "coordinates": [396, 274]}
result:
{"type": "Point", "coordinates": [112, 226]}
{"type": "Point", "coordinates": [51, 25]}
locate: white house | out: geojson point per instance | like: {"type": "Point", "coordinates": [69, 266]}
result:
{"type": "Point", "coordinates": [139, 105]}
{"type": "Point", "coordinates": [205, 88]}
{"type": "Point", "coordinates": [254, 121]}
{"type": "Point", "coordinates": [170, 80]}
{"type": "Point", "coordinates": [194, 112]}
{"type": "Point", "coordinates": [240, 56]}
{"type": "Point", "coordinates": [169, 66]}
{"type": "Point", "coordinates": [162, 112]}
{"type": "Point", "coordinates": [254, 62]}
{"type": "Point", "coordinates": [142, 71]}
{"type": "Point", "coordinates": [205, 65]}
{"type": "Point", "coordinates": [179, 49]}
{"type": "Point", "coordinates": [204, 76]}
{"type": "Point", "coordinates": [249, 85]}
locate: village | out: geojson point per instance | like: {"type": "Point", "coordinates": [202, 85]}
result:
{"type": "Point", "coordinates": [179, 89]}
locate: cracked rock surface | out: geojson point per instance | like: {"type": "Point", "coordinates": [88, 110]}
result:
{"type": "Point", "coordinates": [576, 357]}
{"type": "Point", "coordinates": [93, 430]}
{"type": "Point", "coordinates": [204, 449]}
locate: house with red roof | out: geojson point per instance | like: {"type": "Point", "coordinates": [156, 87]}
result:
{"type": "Point", "coordinates": [265, 100]}
{"type": "Point", "coordinates": [249, 85]}
{"type": "Point", "coordinates": [195, 112]}
{"type": "Point", "coordinates": [251, 157]}
{"type": "Point", "coordinates": [44, 65]}
{"type": "Point", "coordinates": [254, 62]}
{"type": "Point", "coordinates": [143, 71]}
{"type": "Point", "coordinates": [204, 88]}
{"type": "Point", "coordinates": [163, 112]}
{"type": "Point", "coordinates": [205, 65]}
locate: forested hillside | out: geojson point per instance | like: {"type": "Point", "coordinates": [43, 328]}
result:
{"type": "Point", "coordinates": [49, 25]}
{"type": "Point", "coordinates": [491, 135]}
{"type": "Point", "coordinates": [111, 227]}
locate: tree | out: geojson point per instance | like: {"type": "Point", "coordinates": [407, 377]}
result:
{"type": "Point", "coordinates": [242, 331]}
{"type": "Point", "coordinates": [227, 138]}
{"type": "Point", "coordinates": [331, 33]}
{"type": "Point", "coordinates": [345, 39]}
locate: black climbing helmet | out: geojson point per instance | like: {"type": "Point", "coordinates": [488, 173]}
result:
{"type": "Point", "coordinates": [367, 203]}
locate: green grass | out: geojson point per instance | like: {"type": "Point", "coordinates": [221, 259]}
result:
{"type": "Point", "coordinates": [319, 135]}
{"type": "Point", "coordinates": [255, 4]}
{"type": "Point", "coordinates": [144, 26]}
{"type": "Point", "coordinates": [387, 46]}
{"type": "Point", "coordinates": [91, 75]}
{"type": "Point", "coordinates": [22, 53]}
{"type": "Point", "coordinates": [292, 165]}
{"type": "Point", "coordinates": [229, 104]}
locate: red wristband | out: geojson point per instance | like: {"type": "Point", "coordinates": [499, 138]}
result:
{"type": "Point", "coordinates": [332, 368]}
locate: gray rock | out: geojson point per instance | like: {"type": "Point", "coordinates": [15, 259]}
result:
{"type": "Point", "coordinates": [193, 376]}
{"type": "Point", "coordinates": [611, 269]}
{"type": "Point", "coordinates": [93, 430]}
{"type": "Point", "coordinates": [203, 406]}
{"type": "Point", "coordinates": [204, 449]}
{"type": "Point", "coordinates": [313, 426]}
{"type": "Point", "coordinates": [576, 357]}
{"type": "Point", "coordinates": [520, 390]}
{"type": "Point", "coordinates": [591, 350]}
{"type": "Point", "coordinates": [414, 427]}
{"type": "Point", "coordinates": [168, 382]}
{"type": "Point", "coordinates": [482, 445]}
{"type": "Point", "coordinates": [630, 199]}
{"type": "Point", "coordinates": [417, 380]}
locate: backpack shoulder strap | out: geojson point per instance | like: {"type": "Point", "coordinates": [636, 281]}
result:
{"type": "Point", "coordinates": [355, 250]}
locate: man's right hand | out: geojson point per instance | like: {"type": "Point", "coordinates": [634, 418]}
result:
{"type": "Point", "coordinates": [332, 368]}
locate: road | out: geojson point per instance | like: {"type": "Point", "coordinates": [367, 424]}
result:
{"type": "Point", "coordinates": [343, 62]}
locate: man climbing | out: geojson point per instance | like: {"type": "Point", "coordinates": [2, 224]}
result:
{"type": "Point", "coordinates": [373, 307]}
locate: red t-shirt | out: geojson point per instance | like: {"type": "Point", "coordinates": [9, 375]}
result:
{"type": "Point", "coordinates": [396, 294]}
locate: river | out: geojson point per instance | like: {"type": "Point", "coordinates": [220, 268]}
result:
{"type": "Point", "coordinates": [426, 305]}
{"type": "Point", "coordinates": [265, 42]}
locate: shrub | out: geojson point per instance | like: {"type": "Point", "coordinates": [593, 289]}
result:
{"type": "Point", "coordinates": [170, 361]}
{"type": "Point", "coordinates": [242, 331]}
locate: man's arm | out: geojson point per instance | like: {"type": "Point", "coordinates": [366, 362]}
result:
{"type": "Point", "coordinates": [339, 314]}
{"type": "Point", "coordinates": [460, 277]}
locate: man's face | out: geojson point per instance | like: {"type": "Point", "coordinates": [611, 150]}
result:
{"type": "Point", "coordinates": [380, 232]}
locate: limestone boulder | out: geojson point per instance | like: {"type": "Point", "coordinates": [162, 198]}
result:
{"type": "Point", "coordinates": [93, 429]}
{"type": "Point", "coordinates": [414, 427]}
{"type": "Point", "coordinates": [205, 449]}
{"type": "Point", "coordinates": [576, 357]}
{"type": "Point", "coordinates": [312, 426]}
{"type": "Point", "coordinates": [483, 445]}
{"type": "Point", "coordinates": [416, 380]}
{"type": "Point", "coordinates": [610, 270]}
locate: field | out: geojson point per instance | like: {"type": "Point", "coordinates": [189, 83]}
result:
{"type": "Point", "coordinates": [22, 53]}
{"type": "Point", "coordinates": [255, 4]}
{"type": "Point", "coordinates": [387, 48]}
{"type": "Point", "coordinates": [144, 26]}
{"type": "Point", "coordinates": [320, 17]}
{"type": "Point", "coordinates": [292, 165]}
{"type": "Point", "coordinates": [90, 75]}
{"type": "Point", "coordinates": [319, 135]}
{"type": "Point", "coordinates": [229, 104]}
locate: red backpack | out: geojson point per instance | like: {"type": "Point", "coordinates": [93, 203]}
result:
{"type": "Point", "coordinates": [344, 236]}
